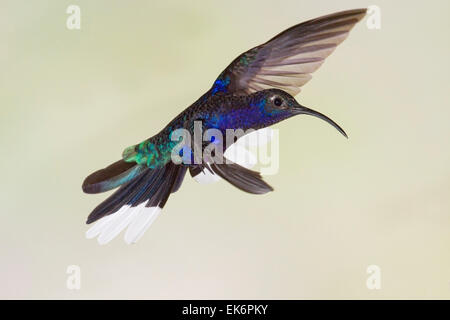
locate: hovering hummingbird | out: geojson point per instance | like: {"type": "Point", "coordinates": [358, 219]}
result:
{"type": "Point", "coordinates": [255, 91]}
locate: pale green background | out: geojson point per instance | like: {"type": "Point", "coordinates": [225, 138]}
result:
{"type": "Point", "coordinates": [72, 100]}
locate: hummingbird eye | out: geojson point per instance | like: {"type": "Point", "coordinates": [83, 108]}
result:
{"type": "Point", "coordinates": [277, 101]}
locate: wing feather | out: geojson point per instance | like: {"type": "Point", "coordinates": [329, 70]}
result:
{"type": "Point", "coordinates": [286, 61]}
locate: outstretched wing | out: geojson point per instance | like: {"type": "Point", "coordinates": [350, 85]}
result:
{"type": "Point", "coordinates": [287, 60]}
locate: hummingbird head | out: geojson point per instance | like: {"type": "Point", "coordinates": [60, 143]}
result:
{"type": "Point", "coordinates": [278, 105]}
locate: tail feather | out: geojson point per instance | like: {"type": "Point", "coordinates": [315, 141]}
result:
{"type": "Point", "coordinates": [119, 198]}
{"type": "Point", "coordinates": [112, 176]}
{"type": "Point", "coordinates": [179, 179]}
{"type": "Point", "coordinates": [136, 204]}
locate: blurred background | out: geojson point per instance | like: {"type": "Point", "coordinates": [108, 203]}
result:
{"type": "Point", "coordinates": [72, 100]}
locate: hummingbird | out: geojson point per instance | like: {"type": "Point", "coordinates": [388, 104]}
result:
{"type": "Point", "coordinates": [254, 92]}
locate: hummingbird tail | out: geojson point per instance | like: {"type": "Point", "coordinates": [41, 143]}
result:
{"type": "Point", "coordinates": [112, 176]}
{"type": "Point", "coordinates": [136, 204]}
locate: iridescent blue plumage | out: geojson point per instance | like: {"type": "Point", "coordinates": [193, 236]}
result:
{"type": "Point", "coordinates": [220, 85]}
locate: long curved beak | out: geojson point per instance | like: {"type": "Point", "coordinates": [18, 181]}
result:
{"type": "Point", "coordinates": [299, 109]}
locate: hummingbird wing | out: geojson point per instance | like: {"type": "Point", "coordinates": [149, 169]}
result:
{"type": "Point", "coordinates": [242, 178]}
{"type": "Point", "coordinates": [287, 60]}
